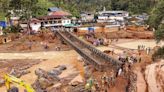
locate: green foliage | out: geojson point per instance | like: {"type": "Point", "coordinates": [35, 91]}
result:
{"type": "Point", "coordinates": [159, 34]}
{"type": "Point", "coordinates": [2, 16]}
{"type": "Point", "coordinates": [41, 8]}
{"type": "Point", "coordinates": [156, 21]}
{"type": "Point", "coordinates": [157, 15]}
{"type": "Point", "coordinates": [15, 29]}
{"type": "Point", "coordinates": [37, 8]}
{"type": "Point", "coordinates": [133, 6]}
{"type": "Point", "coordinates": [12, 29]}
{"type": "Point", "coordinates": [159, 54]}
{"type": "Point", "coordinates": [25, 8]}
{"type": "Point", "coordinates": [4, 6]}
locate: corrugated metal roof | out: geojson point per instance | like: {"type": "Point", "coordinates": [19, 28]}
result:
{"type": "Point", "coordinates": [54, 9]}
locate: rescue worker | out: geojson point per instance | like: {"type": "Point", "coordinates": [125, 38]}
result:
{"type": "Point", "coordinates": [30, 45]}
{"type": "Point", "coordinates": [119, 72]}
{"type": "Point", "coordinates": [112, 51]}
{"type": "Point", "coordinates": [105, 81]}
{"type": "Point", "coordinates": [89, 84]}
{"type": "Point", "coordinates": [97, 86]}
{"type": "Point", "coordinates": [112, 78]}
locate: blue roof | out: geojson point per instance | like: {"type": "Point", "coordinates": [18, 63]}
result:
{"type": "Point", "coordinates": [3, 24]}
{"type": "Point", "coordinates": [53, 9]}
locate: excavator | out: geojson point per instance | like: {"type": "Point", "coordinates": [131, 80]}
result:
{"type": "Point", "coordinates": [11, 79]}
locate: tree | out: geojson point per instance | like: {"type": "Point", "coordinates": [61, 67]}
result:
{"type": "Point", "coordinates": [156, 20]}
{"type": "Point", "coordinates": [4, 6]}
{"type": "Point", "coordinates": [41, 7]}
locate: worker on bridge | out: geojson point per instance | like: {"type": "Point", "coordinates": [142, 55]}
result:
{"type": "Point", "coordinates": [105, 82]}
{"type": "Point", "coordinates": [89, 84]}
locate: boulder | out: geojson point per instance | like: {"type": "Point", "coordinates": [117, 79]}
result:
{"type": "Point", "coordinates": [55, 72]}
{"type": "Point", "coordinates": [40, 72]}
{"type": "Point", "coordinates": [18, 73]}
{"type": "Point", "coordinates": [23, 72]}
{"type": "Point", "coordinates": [62, 67]}
{"type": "Point", "coordinates": [13, 72]}
{"type": "Point", "coordinates": [44, 83]}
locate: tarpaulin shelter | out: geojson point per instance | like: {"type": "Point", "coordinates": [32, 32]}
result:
{"type": "Point", "coordinates": [3, 24]}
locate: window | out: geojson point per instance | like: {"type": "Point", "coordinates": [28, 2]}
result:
{"type": "Point", "coordinates": [59, 21]}
{"type": "Point", "coordinates": [50, 22]}
{"type": "Point", "coordinates": [55, 21]}
{"type": "Point", "coordinates": [46, 22]}
{"type": "Point", "coordinates": [63, 21]}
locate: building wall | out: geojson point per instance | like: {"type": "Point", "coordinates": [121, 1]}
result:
{"type": "Point", "coordinates": [111, 18]}
{"type": "Point", "coordinates": [112, 28]}
{"type": "Point", "coordinates": [66, 21]}
{"type": "Point", "coordinates": [85, 29]}
{"type": "Point", "coordinates": [56, 23]}
{"type": "Point", "coordinates": [99, 29]}
{"type": "Point", "coordinates": [87, 17]}
{"type": "Point", "coordinates": [102, 17]}
{"type": "Point", "coordinates": [35, 26]}
{"type": "Point", "coordinates": [117, 18]}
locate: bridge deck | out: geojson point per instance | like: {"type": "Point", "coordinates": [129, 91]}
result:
{"type": "Point", "coordinates": [93, 56]}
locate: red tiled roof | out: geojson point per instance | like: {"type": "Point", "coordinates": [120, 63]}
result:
{"type": "Point", "coordinates": [60, 13]}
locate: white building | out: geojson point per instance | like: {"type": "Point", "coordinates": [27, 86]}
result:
{"type": "Point", "coordinates": [87, 17]}
{"type": "Point", "coordinates": [107, 16]}
{"type": "Point", "coordinates": [54, 21]}
{"type": "Point", "coordinates": [35, 25]}
{"type": "Point", "coordinates": [65, 21]}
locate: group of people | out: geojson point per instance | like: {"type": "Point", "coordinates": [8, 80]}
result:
{"type": "Point", "coordinates": [107, 81]}
{"type": "Point", "coordinates": [130, 59]}
{"type": "Point", "coordinates": [144, 48]}
{"type": "Point", "coordinates": [44, 44]}
{"type": "Point", "coordinates": [114, 40]}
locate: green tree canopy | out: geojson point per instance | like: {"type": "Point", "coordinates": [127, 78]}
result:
{"type": "Point", "coordinates": [156, 21]}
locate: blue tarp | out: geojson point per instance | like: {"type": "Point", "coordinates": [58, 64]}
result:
{"type": "Point", "coordinates": [3, 24]}
{"type": "Point", "coordinates": [91, 29]}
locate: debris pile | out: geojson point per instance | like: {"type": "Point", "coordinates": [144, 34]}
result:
{"type": "Point", "coordinates": [76, 87]}
{"type": "Point", "coordinates": [45, 40]}
{"type": "Point", "coordinates": [16, 68]}
{"type": "Point", "coordinates": [21, 69]}
{"type": "Point", "coordinates": [47, 79]}
{"type": "Point", "coordinates": [130, 34]}
{"type": "Point", "coordinates": [154, 76]}
{"type": "Point", "coordinates": [18, 73]}
{"type": "Point", "coordinates": [132, 82]}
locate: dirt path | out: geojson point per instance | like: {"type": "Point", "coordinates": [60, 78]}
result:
{"type": "Point", "coordinates": [32, 55]}
{"type": "Point", "coordinates": [135, 43]}
{"type": "Point", "coordinates": [141, 84]}
{"type": "Point", "coordinates": [151, 77]}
